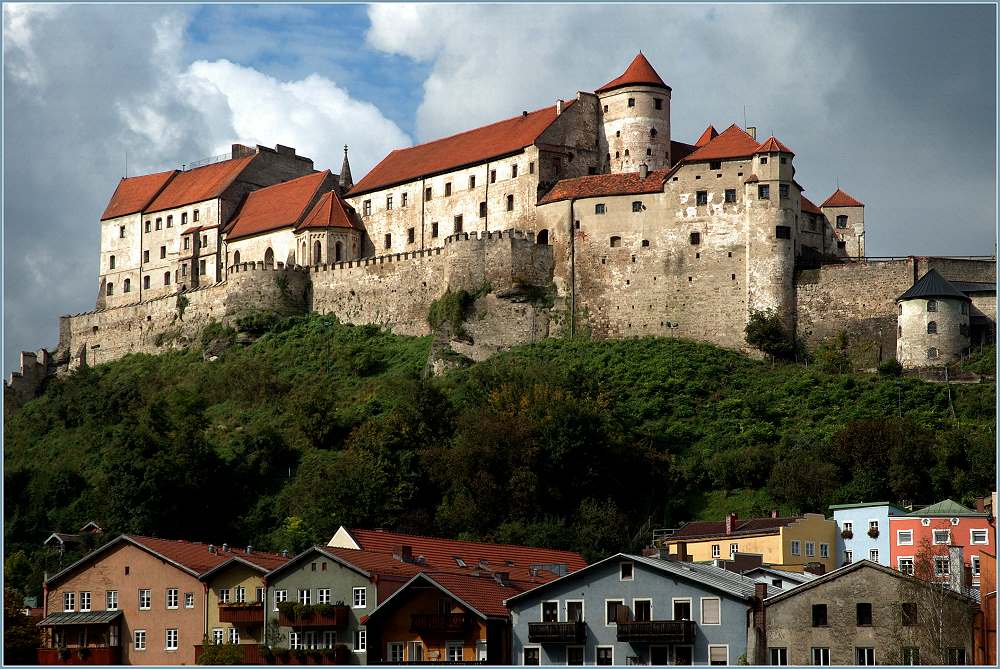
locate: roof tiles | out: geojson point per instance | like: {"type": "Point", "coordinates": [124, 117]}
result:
{"type": "Point", "coordinates": [711, 528]}
{"type": "Point", "coordinates": [331, 212]}
{"type": "Point", "coordinates": [638, 73]}
{"type": "Point", "coordinates": [199, 184]}
{"type": "Point", "coordinates": [807, 206]}
{"type": "Point", "coordinates": [134, 193]}
{"type": "Point", "coordinates": [841, 199]}
{"type": "Point", "coordinates": [195, 556]}
{"type": "Point", "coordinates": [707, 136]}
{"type": "Point", "coordinates": [600, 185]}
{"type": "Point", "coordinates": [733, 142]}
{"type": "Point", "coordinates": [772, 145]}
{"type": "Point", "coordinates": [279, 206]}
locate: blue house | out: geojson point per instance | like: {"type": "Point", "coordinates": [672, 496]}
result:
{"type": "Point", "coordinates": [863, 531]}
{"type": "Point", "coordinates": [630, 609]}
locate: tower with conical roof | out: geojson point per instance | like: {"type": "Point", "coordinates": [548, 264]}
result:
{"type": "Point", "coordinates": [635, 115]}
{"type": "Point", "coordinates": [933, 323]}
{"type": "Point", "coordinates": [346, 181]}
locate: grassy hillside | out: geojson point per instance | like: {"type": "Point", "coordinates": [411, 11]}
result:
{"type": "Point", "coordinates": [569, 443]}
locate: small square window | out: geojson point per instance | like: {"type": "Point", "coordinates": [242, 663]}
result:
{"type": "Point", "coordinates": [819, 615]}
{"type": "Point", "coordinates": [427, 194]}
{"type": "Point", "coordinates": [763, 160]}
{"type": "Point", "coordinates": [637, 206]}
{"type": "Point", "coordinates": [605, 109]}
{"type": "Point", "coordinates": [366, 208]}
{"type": "Point", "coordinates": [388, 202]}
{"type": "Point", "coordinates": [472, 181]}
{"type": "Point", "coordinates": [701, 197]}
{"type": "Point", "coordinates": [121, 232]}
{"type": "Point", "coordinates": [783, 191]}
{"type": "Point", "coordinates": [410, 235]}
{"type": "Point", "coordinates": [715, 165]}
{"type": "Point", "coordinates": [493, 176]}
{"type": "Point", "coordinates": [841, 222]}
{"type": "Point", "coordinates": [434, 229]}
{"type": "Point", "coordinates": [194, 216]}
{"type": "Point", "coordinates": [599, 209]}
{"type": "Point", "coordinates": [694, 238]}
{"type": "Point", "coordinates": [631, 102]}
{"type": "Point", "coordinates": [513, 171]}
{"type": "Point", "coordinates": [864, 614]}
{"type": "Point", "coordinates": [447, 189]}
{"type": "Point", "coordinates": [730, 195]}
{"type": "Point", "coordinates": [782, 232]}
{"type": "Point", "coordinates": [763, 192]}
{"type": "Point", "coordinates": [626, 570]}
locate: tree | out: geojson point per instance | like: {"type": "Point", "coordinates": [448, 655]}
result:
{"type": "Point", "coordinates": [20, 636]}
{"type": "Point", "coordinates": [220, 653]}
{"type": "Point", "coordinates": [766, 332]}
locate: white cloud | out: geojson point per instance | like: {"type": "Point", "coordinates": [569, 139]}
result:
{"type": "Point", "coordinates": [19, 20]}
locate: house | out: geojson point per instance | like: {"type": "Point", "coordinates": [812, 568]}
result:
{"type": "Point", "coordinates": [929, 532]}
{"type": "Point", "coordinates": [791, 543]}
{"type": "Point", "coordinates": [134, 600]}
{"type": "Point", "coordinates": [632, 609]}
{"type": "Point", "coordinates": [865, 613]}
{"type": "Point", "coordinates": [863, 531]}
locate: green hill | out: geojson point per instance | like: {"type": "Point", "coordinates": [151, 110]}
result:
{"type": "Point", "coordinates": [570, 443]}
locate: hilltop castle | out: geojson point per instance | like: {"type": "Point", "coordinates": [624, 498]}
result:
{"type": "Point", "coordinates": [591, 201]}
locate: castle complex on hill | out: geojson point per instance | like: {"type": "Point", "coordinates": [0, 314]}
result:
{"type": "Point", "coordinates": [589, 203]}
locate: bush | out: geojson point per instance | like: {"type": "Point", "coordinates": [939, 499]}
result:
{"type": "Point", "coordinates": [890, 368]}
{"type": "Point", "coordinates": [450, 308]}
{"type": "Point", "coordinates": [766, 332]}
{"type": "Point", "coordinates": [217, 332]}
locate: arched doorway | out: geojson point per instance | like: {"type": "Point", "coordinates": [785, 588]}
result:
{"type": "Point", "coordinates": [236, 258]}
{"type": "Point", "coordinates": [317, 253]}
{"type": "Point", "coordinates": [338, 251]}
{"type": "Point", "coordinates": [269, 257]}
{"type": "Point", "coordinates": [542, 237]}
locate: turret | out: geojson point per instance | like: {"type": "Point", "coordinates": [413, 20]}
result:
{"type": "Point", "coordinates": [847, 216]}
{"type": "Point", "coordinates": [346, 181]}
{"type": "Point", "coordinates": [932, 323]}
{"type": "Point", "coordinates": [635, 109]}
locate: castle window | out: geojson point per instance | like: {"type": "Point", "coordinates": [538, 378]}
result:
{"type": "Point", "coordinates": [618, 154]}
{"type": "Point", "coordinates": [841, 245]}
{"type": "Point", "coordinates": [145, 256]}
{"type": "Point", "coordinates": [427, 194]}
{"type": "Point", "coordinates": [338, 252]}
{"type": "Point", "coordinates": [531, 167]}
{"type": "Point", "coordinates": [163, 251]}
{"type": "Point", "coordinates": [842, 222]}
{"type": "Point", "coordinates": [493, 176]}
{"type": "Point", "coordinates": [605, 109]}
{"type": "Point", "coordinates": [782, 232]}
{"type": "Point", "coordinates": [166, 278]}
{"type": "Point", "coordinates": [599, 209]}
{"type": "Point", "coordinates": [626, 153]}
{"type": "Point", "coordinates": [388, 202]}
{"type": "Point", "coordinates": [694, 238]}
{"type": "Point", "coordinates": [730, 195]}
{"type": "Point", "coordinates": [616, 242]}
{"type": "Point", "coordinates": [645, 243]}
{"type": "Point", "coordinates": [170, 221]}
{"type": "Point", "coordinates": [900, 307]}
{"type": "Point", "coordinates": [932, 353]}
{"type": "Point", "coordinates": [194, 216]}
{"type": "Point", "coordinates": [482, 210]}
{"type": "Point", "coordinates": [715, 165]}
{"type": "Point", "coordinates": [931, 305]}
{"type": "Point", "coordinates": [447, 189]}
{"type": "Point", "coordinates": [111, 262]}
{"type": "Point", "coordinates": [145, 281]}
{"type": "Point", "coordinates": [701, 197]}
{"type": "Point", "coordinates": [184, 269]}
{"type": "Point", "coordinates": [763, 192]}
{"type": "Point", "coordinates": [126, 285]}
{"type": "Point", "coordinates": [932, 327]}
{"type": "Point", "coordinates": [637, 206]}
{"type": "Point", "coordinates": [658, 103]}
{"type": "Point", "coordinates": [732, 277]}
{"type": "Point", "coordinates": [236, 258]}
{"type": "Point", "coordinates": [649, 152]}
{"type": "Point", "coordinates": [618, 133]}
{"type": "Point", "coordinates": [631, 102]}
{"type": "Point", "coordinates": [434, 230]}
{"type": "Point", "coordinates": [403, 200]}
{"type": "Point", "coordinates": [203, 272]}
{"type": "Point", "coordinates": [366, 208]}
{"type": "Point", "coordinates": [187, 242]}
{"type": "Point", "coordinates": [609, 157]}
{"type": "Point", "coordinates": [149, 225]}
{"type": "Point", "coordinates": [964, 308]}
{"type": "Point", "coordinates": [763, 160]}
{"type": "Point", "coordinates": [472, 182]}
{"type": "Point", "coordinates": [159, 224]}
{"type": "Point", "coordinates": [513, 171]}
{"type": "Point", "coordinates": [204, 241]}
{"type": "Point", "coordinates": [652, 132]}
{"type": "Point", "coordinates": [783, 191]}
{"type": "Point", "coordinates": [510, 203]}
{"type": "Point", "coordinates": [184, 218]}
{"type": "Point", "coordinates": [110, 289]}
{"type": "Point", "coordinates": [899, 331]}
{"type": "Point", "coordinates": [576, 224]}
{"type": "Point", "coordinates": [458, 223]}
{"type": "Point", "coordinates": [411, 235]}
{"type": "Point", "coordinates": [388, 241]}
{"type": "Point", "coordinates": [121, 232]}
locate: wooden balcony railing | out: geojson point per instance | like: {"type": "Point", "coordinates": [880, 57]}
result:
{"type": "Point", "coordinates": [252, 653]}
{"type": "Point", "coordinates": [657, 631]}
{"type": "Point", "coordinates": [571, 632]}
{"type": "Point", "coordinates": [334, 615]}
{"type": "Point", "coordinates": [439, 622]}
{"type": "Point", "coordinates": [241, 614]}
{"type": "Point", "coordinates": [90, 655]}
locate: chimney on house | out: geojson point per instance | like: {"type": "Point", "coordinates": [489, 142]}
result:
{"type": "Point", "coordinates": [249, 549]}
{"type": "Point", "coordinates": [225, 548]}
{"type": "Point", "coordinates": [752, 131]}
{"type": "Point", "coordinates": [981, 504]}
{"type": "Point", "coordinates": [682, 552]}
{"type": "Point", "coordinates": [760, 623]}
{"type": "Point", "coordinates": [211, 548]}
{"type": "Point", "coordinates": [730, 523]}
{"type": "Point", "coordinates": [501, 577]}
{"type": "Point", "coordinates": [643, 170]}
{"type": "Point", "coordinates": [403, 553]}
{"type": "Point", "coordinates": [559, 107]}
{"type": "Point", "coordinates": [774, 513]}
{"type": "Point", "coordinates": [284, 552]}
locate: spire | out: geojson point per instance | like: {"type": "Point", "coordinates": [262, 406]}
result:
{"type": "Point", "coordinates": [346, 181]}
{"type": "Point", "coordinates": [638, 73]}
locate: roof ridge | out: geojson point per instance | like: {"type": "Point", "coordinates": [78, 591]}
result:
{"type": "Point", "coordinates": [463, 541]}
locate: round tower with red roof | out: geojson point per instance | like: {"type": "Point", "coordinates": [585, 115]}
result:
{"type": "Point", "coordinates": [635, 113]}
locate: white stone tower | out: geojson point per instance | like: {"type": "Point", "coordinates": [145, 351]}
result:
{"type": "Point", "coordinates": [933, 323]}
{"type": "Point", "coordinates": [635, 113]}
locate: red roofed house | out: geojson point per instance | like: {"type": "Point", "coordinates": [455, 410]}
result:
{"type": "Point", "coordinates": [161, 232]}
{"type": "Point", "coordinates": [848, 217]}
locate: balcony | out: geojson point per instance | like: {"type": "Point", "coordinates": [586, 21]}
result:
{"type": "Point", "coordinates": [339, 654]}
{"type": "Point", "coordinates": [318, 615]}
{"type": "Point", "coordinates": [241, 614]}
{"type": "Point", "coordinates": [94, 655]}
{"type": "Point", "coordinates": [439, 622]}
{"type": "Point", "coordinates": [657, 631]}
{"type": "Point", "coordinates": [252, 653]}
{"type": "Point", "coordinates": [572, 632]}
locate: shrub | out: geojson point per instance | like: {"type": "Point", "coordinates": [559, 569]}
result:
{"type": "Point", "coordinates": [766, 332]}
{"type": "Point", "coordinates": [216, 331]}
{"type": "Point", "coordinates": [450, 308]}
{"type": "Point", "coordinates": [890, 368]}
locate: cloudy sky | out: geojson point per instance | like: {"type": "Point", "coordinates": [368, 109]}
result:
{"type": "Point", "coordinates": [897, 102]}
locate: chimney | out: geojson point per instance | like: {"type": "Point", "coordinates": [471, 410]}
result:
{"type": "Point", "coordinates": [402, 553]}
{"type": "Point", "coordinates": [730, 523]}
{"type": "Point", "coordinates": [249, 549]}
{"type": "Point", "coordinates": [284, 552]}
{"type": "Point", "coordinates": [774, 513]}
{"type": "Point", "coordinates": [643, 170]}
{"type": "Point", "coordinates": [956, 569]}
{"type": "Point", "coordinates": [682, 552]}
{"type": "Point", "coordinates": [225, 548]}
{"type": "Point", "coordinates": [760, 623]}
{"type": "Point", "coordinates": [211, 548]}
{"type": "Point", "coordinates": [752, 131]}
{"type": "Point", "coordinates": [501, 577]}
{"type": "Point", "coordinates": [524, 114]}
{"type": "Point", "coordinates": [981, 504]}
{"type": "Point", "coordinates": [559, 107]}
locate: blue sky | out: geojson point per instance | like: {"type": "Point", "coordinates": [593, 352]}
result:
{"type": "Point", "coordinates": [897, 102]}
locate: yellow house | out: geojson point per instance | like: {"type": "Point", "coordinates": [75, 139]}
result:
{"type": "Point", "coordinates": [788, 543]}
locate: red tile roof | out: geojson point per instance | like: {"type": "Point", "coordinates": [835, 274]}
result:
{"type": "Point", "coordinates": [601, 185]}
{"type": "Point", "coordinates": [199, 184]}
{"type": "Point", "coordinates": [807, 206]}
{"type": "Point", "coordinates": [772, 145]}
{"type": "Point", "coordinates": [679, 151]}
{"type": "Point", "coordinates": [196, 557]}
{"type": "Point", "coordinates": [709, 528]}
{"type": "Point", "coordinates": [331, 212]}
{"type": "Point", "coordinates": [279, 206]}
{"type": "Point", "coordinates": [733, 142]}
{"type": "Point", "coordinates": [841, 199]}
{"type": "Point", "coordinates": [134, 193]}
{"type": "Point", "coordinates": [465, 148]}
{"type": "Point", "coordinates": [482, 592]}
{"type": "Point", "coordinates": [374, 563]}
{"type": "Point", "coordinates": [707, 136]}
{"type": "Point", "coordinates": [638, 73]}
{"type": "Point", "coordinates": [441, 553]}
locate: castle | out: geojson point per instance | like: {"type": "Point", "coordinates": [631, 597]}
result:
{"type": "Point", "coordinates": [589, 201]}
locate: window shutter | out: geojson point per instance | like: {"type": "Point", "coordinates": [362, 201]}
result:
{"type": "Point", "coordinates": [718, 655]}
{"type": "Point", "coordinates": [709, 611]}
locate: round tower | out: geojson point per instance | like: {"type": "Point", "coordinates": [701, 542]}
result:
{"type": "Point", "coordinates": [635, 115]}
{"type": "Point", "coordinates": [932, 323]}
